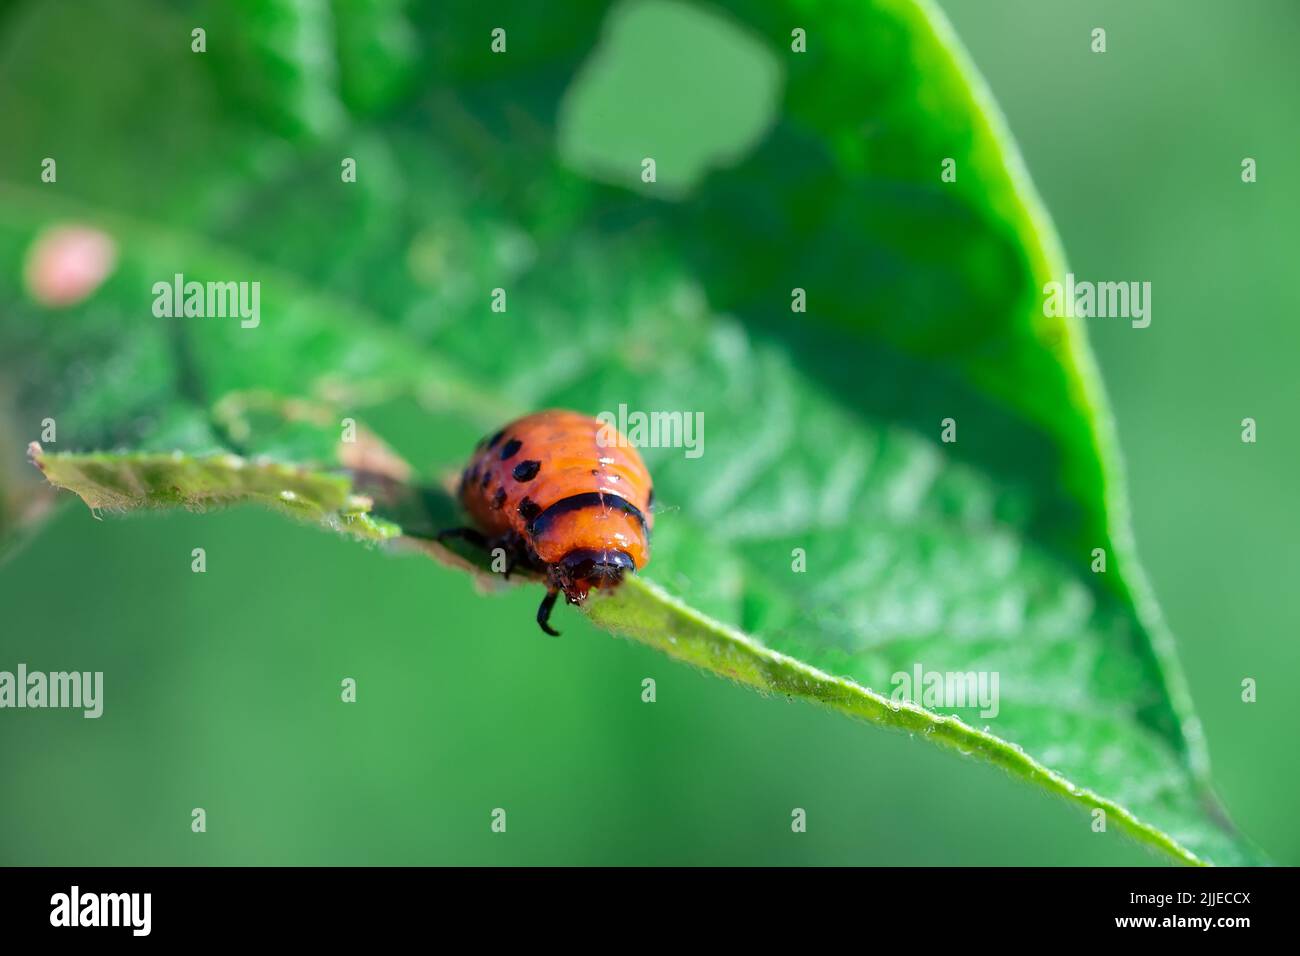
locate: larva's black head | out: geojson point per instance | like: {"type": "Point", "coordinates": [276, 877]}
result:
{"type": "Point", "coordinates": [577, 573]}
{"type": "Point", "coordinates": [585, 568]}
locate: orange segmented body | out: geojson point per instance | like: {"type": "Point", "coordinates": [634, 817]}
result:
{"type": "Point", "coordinates": [566, 494]}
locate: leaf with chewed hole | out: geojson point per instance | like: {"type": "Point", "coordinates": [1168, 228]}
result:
{"type": "Point", "coordinates": [821, 429]}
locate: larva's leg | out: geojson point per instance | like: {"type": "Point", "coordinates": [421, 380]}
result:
{"type": "Point", "coordinates": [544, 612]}
{"type": "Point", "coordinates": [517, 552]}
{"type": "Point", "coordinates": [511, 551]}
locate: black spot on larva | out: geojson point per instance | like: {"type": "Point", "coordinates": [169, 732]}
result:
{"type": "Point", "coordinates": [499, 499]}
{"type": "Point", "coordinates": [528, 509]}
{"type": "Point", "coordinates": [527, 470]}
{"type": "Point", "coordinates": [487, 476]}
{"type": "Point", "coordinates": [650, 499]}
{"type": "Point", "coordinates": [492, 442]}
{"type": "Point", "coordinates": [511, 448]}
{"type": "Point", "coordinates": [595, 471]}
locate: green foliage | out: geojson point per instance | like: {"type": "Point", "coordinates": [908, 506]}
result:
{"type": "Point", "coordinates": [822, 427]}
{"type": "Point", "coordinates": [121, 482]}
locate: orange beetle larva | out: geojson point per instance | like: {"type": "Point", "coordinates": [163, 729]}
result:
{"type": "Point", "coordinates": [564, 494]}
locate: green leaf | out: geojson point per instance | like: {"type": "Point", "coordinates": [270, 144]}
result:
{"type": "Point", "coordinates": [647, 613]}
{"type": "Point", "coordinates": [126, 481]}
{"type": "Point", "coordinates": [822, 428]}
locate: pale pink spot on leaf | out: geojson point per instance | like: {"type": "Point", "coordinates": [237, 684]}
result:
{"type": "Point", "coordinates": [66, 264]}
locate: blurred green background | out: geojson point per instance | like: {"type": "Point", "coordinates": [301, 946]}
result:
{"type": "Point", "coordinates": [222, 689]}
